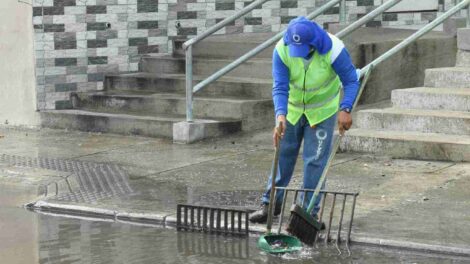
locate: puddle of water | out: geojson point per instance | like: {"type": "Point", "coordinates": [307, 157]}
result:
{"type": "Point", "coordinates": [18, 227]}
{"type": "Point", "coordinates": [26, 237]}
{"type": "Point", "coordinates": [70, 240]}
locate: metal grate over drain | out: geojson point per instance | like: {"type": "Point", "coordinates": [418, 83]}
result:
{"type": "Point", "coordinates": [95, 180]}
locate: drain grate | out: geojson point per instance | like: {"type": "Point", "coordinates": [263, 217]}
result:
{"type": "Point", "coordinates": [95, 180]}
{"type": "Point", "coordinates": [212, 220]}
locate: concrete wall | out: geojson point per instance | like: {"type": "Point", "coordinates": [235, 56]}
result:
{"type": "Point", "coordinates": [17, 80]}
{"type": "Point", "coordinates": [406, 68]}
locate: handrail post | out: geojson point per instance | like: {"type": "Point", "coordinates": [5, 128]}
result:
{"type": "Point", "coordinates": [468, 16]}
{"type": "Point", "coordinates": [342, 12]}
{"type": "Point", "coordinates": [189, 83]}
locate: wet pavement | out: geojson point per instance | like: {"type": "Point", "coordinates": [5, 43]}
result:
{"type": "Point", "coordinates": [402, 200]}
{"type": "Point", "coordinates": [27, 237]}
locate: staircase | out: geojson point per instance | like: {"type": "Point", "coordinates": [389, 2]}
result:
{"type": "Point", "coordinates": [430, 122]}
{"type": "Point", "coordinates": [152, 101]}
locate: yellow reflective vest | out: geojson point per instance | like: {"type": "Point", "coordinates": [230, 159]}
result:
{"type": "Point", "coordinates": [313, 91]}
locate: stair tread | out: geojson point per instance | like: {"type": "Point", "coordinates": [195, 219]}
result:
{"type": "Point", "coordinates": [135, 115]}
{"type": "Point", "coordinates": [195, 77]}
{"type": "Point", "coordinates": [162, 95]}
{"type": "Point", "coordinates": [455, 69]}
{"type": "Point", "coordinates": [433, 90]}
{"type": "Point", "coordinates": [420, 112]}
{"type": "Point", "coordinates": [411, 136]}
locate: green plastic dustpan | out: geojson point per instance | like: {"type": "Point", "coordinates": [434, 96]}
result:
{"type": "Point", "coordinates": [276, 243]}
{"type": "Point", "coordinates": [279, 243]}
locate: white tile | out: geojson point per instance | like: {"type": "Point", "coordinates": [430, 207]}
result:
{"type": "Point", "coordinates": [55, 71]}
{"type": "Point", "coordinates": [77, 78]}
{"type": "Point", "coordinates": [74, 10]}
{"type": "Point", "coordinates": [65, 19]}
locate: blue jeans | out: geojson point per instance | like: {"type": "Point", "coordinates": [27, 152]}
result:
{"type": "Point", "coordinates": [317, 147]}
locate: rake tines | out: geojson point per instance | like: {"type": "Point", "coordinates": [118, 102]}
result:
{"type": "Point", "coordinates": [329, 207]}
{"type": "Point", "coordinates": [212, 220]}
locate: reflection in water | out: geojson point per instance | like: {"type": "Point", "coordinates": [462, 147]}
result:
{"type": "Point", "coordinates": [26, 238]}
{"type": "Point", "coordinates": [213, 246]}
{"type": "Point", "coordinates": [63, 240]}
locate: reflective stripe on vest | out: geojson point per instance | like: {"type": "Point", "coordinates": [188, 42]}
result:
{"type": "Point", "coordinates": [310, 106]}
{"type": "Point", "coordinates": [326, 83]}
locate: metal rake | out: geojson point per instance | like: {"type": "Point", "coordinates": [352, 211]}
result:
{"type": "Point", "coordinates": [346, 198]}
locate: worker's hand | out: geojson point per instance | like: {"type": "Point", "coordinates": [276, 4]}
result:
{"type": "Point", "coordinates": [279, 130]}
{"type": "Point", "coordinates": [344, 122]}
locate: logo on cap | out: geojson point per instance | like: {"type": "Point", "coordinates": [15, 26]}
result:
{"type": "Point", "coordinates": [296, 38]}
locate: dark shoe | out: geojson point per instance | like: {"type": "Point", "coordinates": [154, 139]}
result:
{"type": "Point", "coordinates": [261, 216]}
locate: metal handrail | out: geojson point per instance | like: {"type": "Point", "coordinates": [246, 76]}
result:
{"type": "Point", "coordinates": [189, 78]}
{"type": "Point", "coordinates": [363, 20]}
{"type": "Point", "coordinates": [258, 49]}
{"type": "Point", "coordinates": [188, 46]}
{"type": "Point", "coordinates": [366, 70]}
{"type": "Point", "coordinates": [223, 23]}
{"type": "Point", "coordinates": [436, 22]}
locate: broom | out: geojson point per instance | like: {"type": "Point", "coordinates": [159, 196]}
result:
{"type": "Point", "coordinates": [301, 223]}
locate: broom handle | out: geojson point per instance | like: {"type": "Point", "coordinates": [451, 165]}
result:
{"type": "Point", "coordinates": [365, 73]}
{"type": "Point", "coordinates": [274, 167]}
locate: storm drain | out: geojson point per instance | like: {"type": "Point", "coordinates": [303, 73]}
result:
{"type": "Point", "coordinates": [212, 220]}
{"type": "Point", "coordinates": [94, 180]}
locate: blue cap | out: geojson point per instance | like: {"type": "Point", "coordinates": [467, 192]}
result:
{"type": "Point", "coordinates": [302, 35]}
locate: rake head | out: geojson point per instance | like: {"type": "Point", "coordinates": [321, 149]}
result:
{"type": "Point", "coordinates": [310, 230]}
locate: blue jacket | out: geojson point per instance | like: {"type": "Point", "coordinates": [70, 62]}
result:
{"type": "Point", "coordinates": [341, 63]}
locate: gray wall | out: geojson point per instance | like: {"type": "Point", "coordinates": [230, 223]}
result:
{"type": "Point", "coordinates": [17, 80]}
{"type": "Point", "coordinates": [403, 70]}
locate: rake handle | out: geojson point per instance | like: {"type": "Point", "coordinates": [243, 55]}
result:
{"type": "Point", "coordinates": [365, 78]}
{"type": "Point", "coordinates": [272, 195]}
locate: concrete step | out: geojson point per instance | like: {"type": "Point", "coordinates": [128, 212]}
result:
{"type": "Point", "coordinates": [454, 77]}
{"type": "Point", "coordinates": [426, 121]}
{"type": "Point", "coordinates": [252, 112]}
{"type": "Point", "coordinates": [126, 124]}
{"type": "Point", "coordinates": [228, 46]}
{"type": "Point", "coordinates": [463, 58]}
{"type": "Point", "coordinates": [225, 86]}
{"type": "Point", "coordinates": [408, 145]}
{"type": "Point", "coordinates": [255, 68]}
{"type": "Point", "coordinates": [453, 99]}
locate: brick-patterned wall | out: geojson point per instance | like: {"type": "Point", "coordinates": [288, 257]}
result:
{"type": "Point", "coordinates": [77, 42]}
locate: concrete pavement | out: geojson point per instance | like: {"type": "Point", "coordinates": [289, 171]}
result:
{"type": "Point", "coordinates": [421, 202]}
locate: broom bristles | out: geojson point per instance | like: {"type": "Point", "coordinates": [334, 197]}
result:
{"type": "Point", "coordinates": [304, 229]}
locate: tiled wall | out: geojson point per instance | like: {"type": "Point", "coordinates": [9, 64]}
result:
{"type": "Point", "coordinates": [77, 42]}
